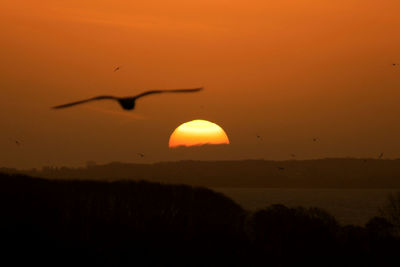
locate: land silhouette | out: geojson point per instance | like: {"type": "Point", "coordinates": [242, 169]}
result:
{"type": "Point", "coordinates": [323, 173]}
{"type": "Point", "coordinates": [125, 223]}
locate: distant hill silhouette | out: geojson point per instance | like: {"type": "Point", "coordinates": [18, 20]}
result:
{"type": "Point", "coordinates": [323, 173]}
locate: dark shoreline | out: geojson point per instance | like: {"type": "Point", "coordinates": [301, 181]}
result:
{"type": "Point", "coordinates": [125, 223]}
{"type": "Point", "coordinates": [322, 173]}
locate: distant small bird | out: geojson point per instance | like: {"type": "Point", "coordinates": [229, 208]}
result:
{"type": "Point", "coordinates": [116, 69]}
{"type": "Point", "coordinates": [128, 103]}
{"type": "Point", "coordinates": [281, 168]}
{"type": "Point", "coordinates": [380, 155]}
{"type": "Point", "coordinates": [394, 64]}
{"type": "Point", "coordinates": [141, 155]}
{"type": "Point", "coordinates": [18, 143]}
{"type": "Point", "coordinates": [293, 155]}
{"type": "Point", "coordinates": [259, 137]}
{"type": "Point", "coordinates": [315, 139]}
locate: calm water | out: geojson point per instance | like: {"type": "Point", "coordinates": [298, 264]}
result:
{"type": "Point", "coordinates": [349, 206]}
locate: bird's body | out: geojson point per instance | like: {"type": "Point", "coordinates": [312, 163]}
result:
{"type": "Point", "coordinates": [127, 103]}
{"type": "Point", "coordinates": [116, 69]}
{"type": "Point", "coordinates": [380, 155]}
{"type": "Point", "coordinates": [141, 155]}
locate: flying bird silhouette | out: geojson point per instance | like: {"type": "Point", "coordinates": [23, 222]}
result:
{"type": "Point", "coordinates": [128, 103]}
{"type": "Point", "coordinates": [315, 139]}
{"type": "Point", "coordinates": [380, 155]}
{"type": "Point", "coordinates": [141, 155]}
{"type": "Point", "coordinates": [117, 68]}
{"type": "Point", "coordinates": [15, 141]}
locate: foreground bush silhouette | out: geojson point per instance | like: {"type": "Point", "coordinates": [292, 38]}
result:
{"type": "Point", "coordinates": [305, 234]}
{"type": "Point", "coordinates": [64, 223]}
{"type": "Point", "coordinates": [391, 211]}
{"type": "Point", "coordinates": [129, 221]}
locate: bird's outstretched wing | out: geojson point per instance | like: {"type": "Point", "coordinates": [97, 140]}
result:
{"type": "Point", "coordinates": [168, 91]}
{"type": "Point", "coordinates": [84, 101]}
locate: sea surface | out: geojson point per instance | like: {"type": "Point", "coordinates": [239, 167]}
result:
{"type": "Point", "coordinates": [349, 206]}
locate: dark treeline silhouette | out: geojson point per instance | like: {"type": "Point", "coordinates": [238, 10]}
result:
{"type": "Point", "coordinates": [126, 223]}
{"type": "Point", "coordinates": [324, 173]}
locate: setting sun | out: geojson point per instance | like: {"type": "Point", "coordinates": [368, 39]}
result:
{"type": "Point", "coordinates": [197, 133]}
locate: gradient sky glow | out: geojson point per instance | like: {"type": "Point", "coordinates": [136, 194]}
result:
{"type": "Point", "coordinates": [287, 70]}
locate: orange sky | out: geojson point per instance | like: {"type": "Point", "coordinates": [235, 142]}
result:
{"type": "Point", "coordinates": [287, 70]}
